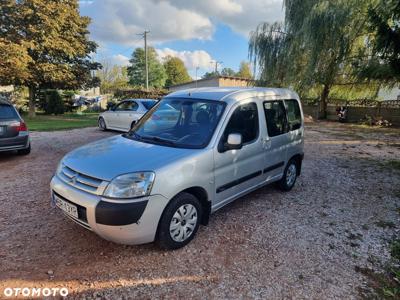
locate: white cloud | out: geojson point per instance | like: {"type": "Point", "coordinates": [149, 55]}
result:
{"type": "Point", "coordinates": [191, 59]}
{"type": "Point", "coordinates": [120, 60]}
{"type": "Point", "coordinates": [242, 16]}
{"type": "Point", "coordinates": [119, 21]}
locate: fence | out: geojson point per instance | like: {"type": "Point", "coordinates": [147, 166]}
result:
{"type": "Point", "coordinates": [357, 110]}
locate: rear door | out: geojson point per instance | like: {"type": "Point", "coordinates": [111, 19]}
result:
{"type": "Point", "coordinates": [276, 139]}
{"type": "Point", "coordinates": [128, 115]}
{"type": "Point", "coordinates": [9, 121]}
{"type": "Point", "coordinates": [237, 171]}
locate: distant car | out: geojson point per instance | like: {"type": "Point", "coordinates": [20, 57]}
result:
{"type": "Point", "coordinates": [125, 114]}
{"type": "Point", "coordinates": [14, 134]}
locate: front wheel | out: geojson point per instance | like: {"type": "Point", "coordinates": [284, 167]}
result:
{"type": "Point", "coordinates": [289, 176]}
{"type": "Point", "coordinates": [179, 222]}
{"type": "Point", "coordinates": [102, 124]}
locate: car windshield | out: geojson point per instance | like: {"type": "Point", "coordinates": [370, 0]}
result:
{"type": "Point", "coordinates": [149, 104]}
{"type": "Point", "coordinates": [179, 122]}
{"type": "Point", "coordinates": [7, 112]}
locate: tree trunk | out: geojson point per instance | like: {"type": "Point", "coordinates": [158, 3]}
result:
{"type": "Point", "coordinates": [323, 102]}
{"type": "Point", "coordinates": [32, 94]}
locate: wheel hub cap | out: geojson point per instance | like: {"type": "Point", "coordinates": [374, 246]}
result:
{"type": "Point", "coordinates": [183, 223]}
{"type": "Point", "coordinates": [291, 175]}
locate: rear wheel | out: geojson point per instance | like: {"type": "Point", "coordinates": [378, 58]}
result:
{"type": "Point", "coordinates": [25, 151]}
{"type": "Point", "coordinates": [289, 176]}
{"type": "Point", "coordinates": [179, 222]}
{"type": "Point", "coordinates": [102, 124]}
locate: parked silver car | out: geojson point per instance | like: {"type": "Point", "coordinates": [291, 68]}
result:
{"type": "Point", "coordinates": [125, 114]}
{"type": "Point", "coordinates": [204, 149]}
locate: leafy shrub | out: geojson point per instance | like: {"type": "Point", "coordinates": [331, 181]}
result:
{"type": "Point", "coordinates": [51, 102]}
{"type": "Point", "coordinates": [395, 249]}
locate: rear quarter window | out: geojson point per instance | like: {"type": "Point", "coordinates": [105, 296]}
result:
{"type": "Point", "coordinates": [293, 114]}
{"type": "Point", "coordinates": [7, 112]}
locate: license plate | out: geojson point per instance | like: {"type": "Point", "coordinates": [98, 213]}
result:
{"type": "Point", "coordinates": [68, 208]}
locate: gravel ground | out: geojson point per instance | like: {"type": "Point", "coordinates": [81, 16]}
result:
{"type": "Point", "coordinates": [306, 243]}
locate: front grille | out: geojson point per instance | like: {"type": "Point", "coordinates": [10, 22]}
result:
{"type": "Point", "coordinates": [81, 181]}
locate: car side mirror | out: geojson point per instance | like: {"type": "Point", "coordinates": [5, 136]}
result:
{"type": "Point", "coordinates": [234, 142]}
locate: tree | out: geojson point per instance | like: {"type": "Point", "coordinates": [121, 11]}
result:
{"type": "Point", "coordinates": [112, 77]}
{"type": "Point", "coordinates": [44, 44]}
{"type": "Point", "coordinates": [244, 70]}
{"type": "Point", "coordinates": [384, 22]}
{"type": "Point", "coordinates": [210, 75]}
{"type": "Point", "coordinates": [51, 102]}
{"type": "Point", "coordinates": [176, 71]}
{"type": "Point", "coordinates": [228, 72]}
{"type": "Point", "coordinates": [137, 69]}
{"type": "Point", "coordinates": [314, 48]}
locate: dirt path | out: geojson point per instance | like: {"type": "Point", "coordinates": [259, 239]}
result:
{"type": "Point", "coordinates": [303, 244]}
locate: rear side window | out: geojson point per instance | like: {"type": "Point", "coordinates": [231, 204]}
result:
{"type": "Point", "coordinates": [293, 114]}
{"type": "Point", "coordinates": [7, 112]}
{"type": "Point", "coordinates": [148, 104]}
{"type": "Point", "coordinates": [275, 115]}
{"type": "Point", "coordinates": [127, 106]}
{"type": "Point", "coordinates": [244, 120]}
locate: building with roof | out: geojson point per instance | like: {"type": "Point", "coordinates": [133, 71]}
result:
{"type": "Point", "coordinates": [218, 81]}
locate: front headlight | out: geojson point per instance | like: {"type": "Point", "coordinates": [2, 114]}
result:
{"type": "Point", "coordinates": [130, 185]}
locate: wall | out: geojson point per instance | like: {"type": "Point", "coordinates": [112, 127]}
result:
{"type": "Point", "coordinates": [237, 82]}
{"type": "Point", "coordinates": [7, 88]}
{"type": "Point", "coordinates": [355, 114]}
{"type": "Point", "coordinates": [212, 82]}
{"type": "Point", "coordinates": [222, 81]}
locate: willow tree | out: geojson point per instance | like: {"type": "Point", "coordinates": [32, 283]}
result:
{"type": "Point", "coordinates": [314, 47]}
{"type": "Point", "coordinates": [44, 44]}
{"type": "Point", "coordinates": [384, 62]}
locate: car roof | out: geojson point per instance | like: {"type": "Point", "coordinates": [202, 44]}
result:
{"type": "Point", "coordinates": [229, 94]}
{"type": "Point", "coordinates": [3, 101]}
{"type": "Point", "coordinates": [139, 99]}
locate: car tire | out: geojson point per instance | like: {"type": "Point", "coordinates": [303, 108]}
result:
{"type": "Point", "coordinates": [25, 151]}
{"type": "Point", "coordinates": [102, 124]}
{"type": "Point", "coordinates": [289, 176]}
{"type": "Point", "coordinates": [176, 229]}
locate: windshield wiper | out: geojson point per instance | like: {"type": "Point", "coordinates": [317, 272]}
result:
{"type": "Point", "coordinates": [132, 134]}
{"type": "Point", "coordinates": [158, 140]}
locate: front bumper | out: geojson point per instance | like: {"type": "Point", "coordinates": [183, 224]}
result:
{"type": "Point", "coordinates": [121, 221]}
{"type": "Point", "coordinates": [14, 143]}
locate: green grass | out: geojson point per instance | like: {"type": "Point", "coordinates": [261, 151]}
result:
{"type": "Point", "coordinates": [395, 249]}
{"type": "Point", "coordinates": [66, 121]}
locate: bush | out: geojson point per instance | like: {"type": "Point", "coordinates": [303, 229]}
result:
{"type": "Point", "coordinates": [68, 97]}
{"type": "Point", "coordinates": [51, 102]}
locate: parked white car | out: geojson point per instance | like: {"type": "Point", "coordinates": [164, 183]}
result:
{"type": "Point", "coordinates": [125, 114]}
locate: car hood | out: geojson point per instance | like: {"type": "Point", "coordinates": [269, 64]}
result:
{"type": "Point", "coordinates": [108, 158]}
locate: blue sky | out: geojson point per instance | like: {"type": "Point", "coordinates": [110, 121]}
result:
{"type": "Point", "coordinates": [198, 32]}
